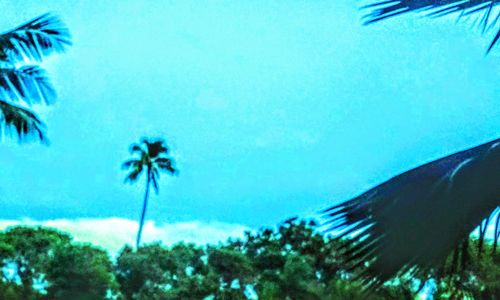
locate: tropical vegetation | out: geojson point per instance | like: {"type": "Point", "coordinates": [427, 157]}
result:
{"type": "Point", "coordinates": [292, 261]}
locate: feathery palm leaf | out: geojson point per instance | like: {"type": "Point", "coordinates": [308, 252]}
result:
{"type": "Point", "coordinates": [129, 163]}
{"type": "Point", "coordinates": [486, 10]}
{"type": "Point", "coordinates": [136, 168]}
{"type": "Point", "coordinates": [165, 164]}
{"type": "Point", "coordinates": [25, 123]}
{"type": "Point", "coordinates": [35, 40]}
{"type": "Point", "coordinates": [28, 83]}
{"type": "Point", "coordinates": [413, 221]}
{"type": "Point", "coordinates": [136, 148]}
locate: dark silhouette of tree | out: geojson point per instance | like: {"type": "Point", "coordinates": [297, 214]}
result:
{"type": "Point", "coordinates": [22, 81]}
{"type": "Point", "coordinates": [151, 157]}
{"type": "Point", "coordinates": [486, 11]}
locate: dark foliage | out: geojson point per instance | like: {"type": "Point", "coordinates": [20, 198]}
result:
{"type": "Point", "coordinates": [413, 221]}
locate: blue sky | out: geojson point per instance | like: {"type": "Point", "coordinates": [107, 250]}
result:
{"type": "Point", "coordinates": [272, 108]}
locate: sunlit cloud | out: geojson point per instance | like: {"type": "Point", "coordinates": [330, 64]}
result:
{"type": "Point", "coordinates": [113, 233]}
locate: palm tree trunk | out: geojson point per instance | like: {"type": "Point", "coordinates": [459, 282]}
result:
{"type": "Point", "coordinates": [144, 206]}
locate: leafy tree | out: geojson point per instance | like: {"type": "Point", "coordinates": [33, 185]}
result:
{"type": "Point", "coordinates": [298, 279]}
{"type": "Point", "coordinates": [234, 269]}
{"type": "Point", "coordinates": [22, 81]}
{"type": "Point", "coordinates": [80, 272]}
{"type": "Point", "coordinates": [190, 277]}
{"type": "Point", "coordinates": [157, 272]}
{"type": "Point", "coordinates": [151, 157]}
{"type": "Point", "coordinates": [13, 291]}
{"type": "Point", "coordinates": [142, 271]}
{"type": "Point", "coordinates": [27, 254]}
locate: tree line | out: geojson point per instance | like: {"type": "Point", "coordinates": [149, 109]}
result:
{"type": "Point", "coordinates": [292, 261]}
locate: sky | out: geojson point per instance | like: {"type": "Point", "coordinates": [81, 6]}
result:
{"type": "Point", "coordinates": [272, 109]}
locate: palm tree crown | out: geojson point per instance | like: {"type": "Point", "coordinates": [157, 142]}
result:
{"type": "Point", "coordinates": [22, 82]}
{"type": "Point", "coordinates": [151, 158]}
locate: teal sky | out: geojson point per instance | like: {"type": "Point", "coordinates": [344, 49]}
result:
{"type": "Point", "coordinates": [272, 108]}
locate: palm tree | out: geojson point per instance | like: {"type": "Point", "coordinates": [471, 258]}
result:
{"type": "Point", "coordinates": [151, 156]}
{"type": "Point", "coordinates": [414, 221]}
{"type": "Point", "coordinates": [486, 11]}
{"type": "Point", "coordinates": [22, 82]}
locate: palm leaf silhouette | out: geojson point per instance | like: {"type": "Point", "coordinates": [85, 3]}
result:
{"type": "Point", "coordinates": [486, 11]}
{"type": "Point", "coordinates": [21, 82]}
{"type": "Point", "coordinates": [35, 39]}
{"type": "Point", "coordinates": [24, 122]}
{"type": "Point", "coordinates": [413, 221]}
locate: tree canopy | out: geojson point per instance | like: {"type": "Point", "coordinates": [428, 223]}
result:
{"type": "Point", "coordinates": [292, 261]}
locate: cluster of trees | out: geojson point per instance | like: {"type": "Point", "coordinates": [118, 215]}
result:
{"type": "Point", "coordinates": [292, 261]}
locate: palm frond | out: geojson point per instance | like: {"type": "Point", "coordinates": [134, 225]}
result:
{"type": "Point", "coordinates": [154, 179]}
{"type": "Point", "coordinates": [28, 83]}
{"type": "Point", "coordinates": [134, 174]}
{"type": "Point", "coordinates": [165, 164]}
{"type": "Point", "coordinates": [135, 148]}
{"type": "Point", "coordinates": [486, 10]}
{"type": "Point", "coordinates": [413, 221]}
{"type": "Point", "coordinates": [35, 39]}
{"type": "Point", "coordinates": [129, 163]}
{"type": "Point", "coordinates": [25, 123]}
{"type": "Point", "coordinates": [495, 39]}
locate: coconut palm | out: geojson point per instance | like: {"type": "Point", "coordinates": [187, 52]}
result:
{"type": "Point", "coordinates": [151, 158]}
{"type": "Point", "coordinates": [22, 81]}
{"type": "Point", "coordinates": [486, 11]}
{"type": "Point", "coordinates": [414, 221]}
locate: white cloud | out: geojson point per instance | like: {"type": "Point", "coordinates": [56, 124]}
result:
{"type": "Point", "coordinates": [113, 233]}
